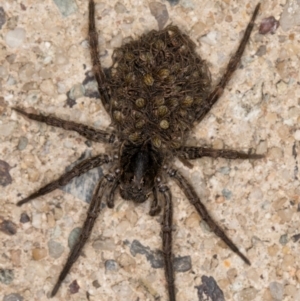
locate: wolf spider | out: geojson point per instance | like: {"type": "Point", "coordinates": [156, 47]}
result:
{"type": "Point", "coordinates": [157, 89]}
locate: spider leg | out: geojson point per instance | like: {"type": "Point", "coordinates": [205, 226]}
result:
{"type": "Point", "coordinates": [191, 195]}
{"type": "Point", "coordinates": [76, 171]}
{"type": "Point", "coordinates": [167, 239]}
{"type": "Point", "coordinates": [155, 208]}
{"type": "Point", "coordinates": [94, 50]}
{"type": "Point", "coordinates": [84, 130]}
{"type": "Point", "coordinates": [231, 67]}
{"type": "Point", "coordinates": [114, 183]}
{"type": "Point", "coordinates": [92, 214]}
{"type": "Point", "coordinates": [191, 153]}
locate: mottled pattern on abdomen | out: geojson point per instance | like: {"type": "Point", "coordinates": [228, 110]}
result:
{"type": "Point", "coordinates": [157, 85]}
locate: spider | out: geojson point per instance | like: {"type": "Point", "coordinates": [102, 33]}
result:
{"type": "Point", "coordinates": [157, 89]}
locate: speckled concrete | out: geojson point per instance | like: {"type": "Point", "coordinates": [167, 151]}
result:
{"type": "Point", "coordinates": [44, 57]}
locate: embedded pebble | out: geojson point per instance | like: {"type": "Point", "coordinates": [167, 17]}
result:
{"type": "Point", "coordinates": [126, 262]}
{"type": "Point", "coordinates": [77, 91]}
{"type": "Point", "coordinates": [6, 276]}
{"type": "Point", "coordinates": [11, 81]}
{"type": "Point", "coordinates": [66, 7]}
{"type": "Point", "coordinates": [107, 244]}
{"type": "Point", "coordinates": [6, 129]}
{"type": "Point", "coordinates": [3, 72]}
{"type": "Point", "coordinates": [14, 38]}
{"type": "Point", "coordinates": [160, 13]}
{"type": "Point", "coordinates": [26, 72]}
{"type": "Point", "coordinates": [209, 289]}
{"type": "Point", "coordinates": [23, 141]}
{"type": "Point", "coordinates": [288, 261]}
{"type": "Point", "coordinates": [8, 227]}
{"type": "Point", "coordinates": [227, 193]}
{"type": "Point", "coordinates": [224, 170]}
{"type": "Point", "coordinates": [15, 256]}
{"type": "Point", "coordinates": [267, 25]}
{"type": "Point", "coordinates": [37, 220]}
{"type": "Point", "coordinates": [276, 290]}
{"type": "Point", "coordinates": [290, 16]}
{"type": "Point", "coordinates": [120, 8]}
{"type": "Point", "coordinates": [262, 147]}
{"type": "Point", "coordinates": [275, 153]}
{"type": "Point", "coordinates": [182, 264]}
{"type": "Point", "coordinates": [261, 51]}
{"type": "Point", "coordinates": [13, 297]}
{"type": "Point", "coordinates": [74, 287]}
{"type": "Point", "coordinates": [73, 237]}
{"type": "Point", "coordinates": [111, 265]}
{"type": "Point", "coordinates": [248, 294]}
{"type": "Point", "coordinates": [96, 284]}
{"type": "Point", "coordinates": [286, 215]}
{"type": "Point", "coordinates": [39, 253]}
{"type": "Point", "coordinates": [61, 59]}
{"type": "Point", "coordinates": [116, 41]}
{"type": "Point", "coordinates": [56, 249]}
{"type": "Point", "coordinates": [283, 240]}
{"type": "Point", "coordinates": [48, 87]}
{"type": "Point", "coordinates": [2, 17]}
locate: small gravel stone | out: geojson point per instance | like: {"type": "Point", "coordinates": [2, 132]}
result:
{"type": "Point", "coordinates": [73, 237]}
{"type": "Point", "coordinates": [116, 41]}
{"type": "Point", "coordinates": [24, 218]}
{"type": "Point", "coordinates": [120, 8]}
{"type": "Point", "coordinates": [55, 249]}
{"type": "Point", "coordinates": [23, 141]}
{"type": "Point", "coordinates": [283, 239]}
{"type": "Point", "coordinates": [14, 38]}
{"type": "Point", "coordinates": [227, 194]}
{"type": "Point", "coordinates": [261, 51]}
{"type": "Point", "coordinates": [2, 17]}
{"type": "Point", "coordinates": [267, 25]}
{"type": "Point", "coordinates": [74, 287]}
{"type": "Point", "coordinates": [96, 284]}
{"type": "Point", "coordinates": [290, 16]}
{"type": "Point", "coordinates": [111, 265]}
{"type": "Point", "coordinates": [160, 13]}
{"type": "Point", "coordinates": [13, 297]}
{"type": "Point", "coordinates": [15, 256]}
{"type": "Point", "coordinates": [8, 227]}
{"type": "Point", "coordinates": [6, 276]}
{"type": "Point", "coordinates": [77, 91]}
{"type": "Point", "coordinates": [3, 72]}
{"type": "Point", "coordinates": [182, 264]}
{"type": "Point", "coordinates": [39, 253]}
{"type": "Point", "coordinates": [276, 290]}
{"type": "Point", "coordinates": [7, 129]}
{"type": "Point", "coordinates": [48, 87]}
{"type": "Point", "coordinates": [248, 294]}
{"type": "Point", "coordinates": [66, 7]}
{"type": "Point", "coordinates": [107, 244]}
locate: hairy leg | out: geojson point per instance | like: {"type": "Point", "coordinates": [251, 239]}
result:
{"type": "Point", "coordinates": [231, 67]}
{"type": "Point", "coordinates": [76, 171]}
{"type": "Point", "coordinates": [191, 195]}
{"type": "Point", "coordinates": [155, 207]}
{"type": "Point", "coordinates": [94, 50]}
{"type": "Point", "coordinates": [193, 152]}
{"type": "Point", "coordinates": [84, 130]}
{"type": "Point", "coordinates": [167, 239]}
{"type": "Point", "coordinates": [92, 214]}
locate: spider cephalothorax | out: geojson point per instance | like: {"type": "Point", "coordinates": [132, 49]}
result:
{"type": "Point", "coordinates": [157, 89]}
{"type": "Point", "coordinates": [140, 166]}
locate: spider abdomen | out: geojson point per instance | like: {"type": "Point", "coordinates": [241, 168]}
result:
{"type": "Point", "coordinates": [158, 83]}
